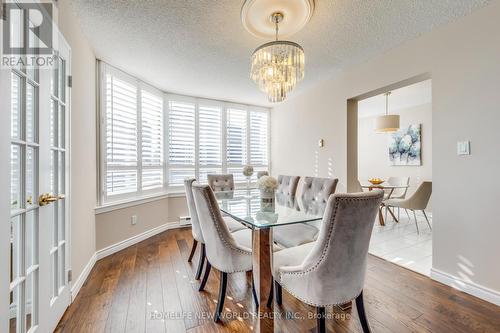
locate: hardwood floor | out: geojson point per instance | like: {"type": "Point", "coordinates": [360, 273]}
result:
{"type": "Point", "coordinates": [150, 287]}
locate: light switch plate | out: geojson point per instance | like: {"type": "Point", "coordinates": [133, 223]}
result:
{"type": "Point", "coordinates": [463, 148]}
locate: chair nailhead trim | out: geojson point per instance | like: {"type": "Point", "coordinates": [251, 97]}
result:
{"type": "Point", "coordinates": [324, 253]}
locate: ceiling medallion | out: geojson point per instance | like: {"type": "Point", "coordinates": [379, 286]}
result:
{"type": "Point", "coordinates": [277, 66]}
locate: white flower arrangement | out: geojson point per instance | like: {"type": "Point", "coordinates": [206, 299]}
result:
{"type": "Point", "coordinates": [267, 183]}
{"type": "Point", "coordinates": [248, 170]}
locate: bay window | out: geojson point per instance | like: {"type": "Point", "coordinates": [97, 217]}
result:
{"type": "Point", "coordinates": [151, 141]}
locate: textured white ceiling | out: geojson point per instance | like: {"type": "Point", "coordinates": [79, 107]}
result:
{"type": "Point", "coordinates": [400, 99]}
{"type": "Point", "coordinates": [200, 48]}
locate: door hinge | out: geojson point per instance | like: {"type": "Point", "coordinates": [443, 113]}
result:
{"type": "Point", "coordinates": [70, 275]}
{"type": "Point", "coordinates": [70, 81]}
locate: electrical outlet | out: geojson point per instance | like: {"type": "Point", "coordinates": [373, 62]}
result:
{"type": "Point", "coordinates": [463, 148]}
{"type": "Point", "coordinates": [133, 220]}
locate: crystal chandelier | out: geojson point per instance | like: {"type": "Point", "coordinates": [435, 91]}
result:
{"type": "Point", "coordinates": [277, 66]}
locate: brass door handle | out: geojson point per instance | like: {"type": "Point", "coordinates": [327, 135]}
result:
{"type": "Point", "coordinates": [46, 199]}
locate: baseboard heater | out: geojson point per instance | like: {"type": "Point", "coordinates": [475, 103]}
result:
{"type": "Point", "coordinates": [184, 220]}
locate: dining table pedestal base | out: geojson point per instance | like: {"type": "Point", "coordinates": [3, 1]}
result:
{"type": "Point", "coordinates": [263, 278]}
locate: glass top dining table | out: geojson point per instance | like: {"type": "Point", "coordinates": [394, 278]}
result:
{"type": "Point", "coordinates": [249, 207]}
{"type": "Point", "coordinates": [261, 214]}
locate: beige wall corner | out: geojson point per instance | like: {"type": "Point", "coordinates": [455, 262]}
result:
{"type": "Point", "coordinates": [83, 142]}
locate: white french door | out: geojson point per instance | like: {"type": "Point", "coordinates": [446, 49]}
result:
{"type": "Point", "coordinates": [35, 106]}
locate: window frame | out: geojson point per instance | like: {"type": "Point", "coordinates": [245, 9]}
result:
{"type": "Point", "coordinates": [105, 200]}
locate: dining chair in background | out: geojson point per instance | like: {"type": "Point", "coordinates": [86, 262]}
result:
{"type": "Point", "coordinates": [223, 252]}
{"type": "Point", "coordinates": [221, 182]}
{"type": "Point", "coordinates": [417, 201]}
{"type": "Point", "coordinates": [224, 182]}
{"type": "Point", "coordinates": [313, 196]}
{"type": "Point", "coordinates": [287, 185]}
{"type": "Point", "coordinates": [331, 270]}
{"type": "Point", "coordinates": [397, 193]}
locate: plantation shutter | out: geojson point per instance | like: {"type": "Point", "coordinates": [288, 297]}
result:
{"type": "Point", "coordinates": [236, 144]}
{"type": "Point", "coordinates": [210, 140]}
{"type": "Point", "coordinates": [181, 137]}
{"type": "Point", "coordinates": [258, 138]}
{"type": "Point", "coordinates": [152, 140]}
{"type": "Point", "coordinates": [121, 136]}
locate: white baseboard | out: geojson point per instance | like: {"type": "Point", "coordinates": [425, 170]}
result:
{"type": "Point", "coordinates": [77, 285]}
{"type": "Point", "coordinates": [102, 253]}
{"type": "Point", "coordinates": [468, 287]}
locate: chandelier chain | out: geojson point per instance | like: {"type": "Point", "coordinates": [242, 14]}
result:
{"type": "Point", "coordinates": [276, 23]}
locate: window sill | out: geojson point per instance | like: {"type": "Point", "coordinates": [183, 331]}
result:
{"type": "Point", "coordinates": [111, 206]}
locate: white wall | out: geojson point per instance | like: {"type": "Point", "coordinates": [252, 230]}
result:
{"type": "Point", "coordinates": [373, 152]}
{"type": "Point", "coordinates": [463, 60]}
{"type": "Point", "coordinates": [83, 140]}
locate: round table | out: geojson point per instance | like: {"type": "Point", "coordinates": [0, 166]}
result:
{"type": "Point", "coordinates": [384, 186]}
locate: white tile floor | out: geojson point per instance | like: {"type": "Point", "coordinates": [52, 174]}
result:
{"type": "Point", "coordinates": [400, 243]}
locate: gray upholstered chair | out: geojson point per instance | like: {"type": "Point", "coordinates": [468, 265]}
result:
{"type": "Point", "coordinates": [331, 270]}
{"type": "Point", "coordinates": [314, 194]}
{"type": "Point", "coordinates": [287, 184]}
{"type": "Point", "coordinates": [262, 173]}
{"type": "Point", "coordinates": [218, 183]}
{"type": "Point", "coordinates": [417, 201]}
{"type": "Point", "coordinates": [195, 227]}
{"type": "Point", "coordinates": [221, 182]}
{"type": "Point", "coordinates": [223, 251]}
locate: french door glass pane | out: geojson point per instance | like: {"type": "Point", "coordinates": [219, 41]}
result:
{"type": "Point", "coordinates": [53, 275]}
{"type": "Point", "coordinates": [31, 239]}
{"type": "Point", "coordinates": [62, 74]}
{"type": "Point", "coordinates": [53, 123]}
{"type": "Point", "coordinates": [61, 260]}
{"type": "Point", "coordinates": [30, 113]}
{"type": "Point", "coordinates": [60, 131]}
{"type": "Point", "coordinates": [16, 86]}
{"type": "Point", "coordinates": [31, 162]}
{"type": "Point", "coordinates": [15, 177]}
{"type": "Point", "coordinates": [15, 239]}
{"type": "Point", "coordinates": [54, 79]}
{"type": "Point", "coordinates": [53, 163]}
{"type": "Point", "coordinates": [31, 300]}
{"type": "Point", "coordinates": [14, 301]}
{"type": "Point", "coordinates": [61, 220]}
{"type": "Point", "coordinates": [61, 173]}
